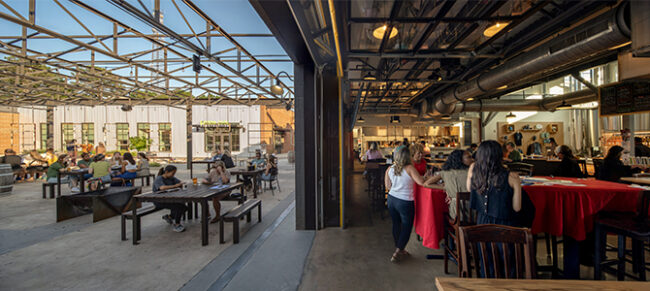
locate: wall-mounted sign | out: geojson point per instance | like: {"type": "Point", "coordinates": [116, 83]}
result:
{"type": "Point", "coordinates": [627, 97]}
{"type": "Point", "coordinates": [219, 125]}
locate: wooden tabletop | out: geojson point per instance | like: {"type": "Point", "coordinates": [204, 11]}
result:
{"type": "Point", "coordinates": [245, 171]}
{"type": "Point", "coordinates": [203, 162]}
{"type": "Point", "coordinates": [458, 284]}
{"type": "Point", "coordinates": [192, 192]}
{"type": "Point", "coordinates": [637, 180]}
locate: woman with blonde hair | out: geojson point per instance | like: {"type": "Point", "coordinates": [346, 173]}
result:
{"type": "Point", "coordinates": [400, 181]}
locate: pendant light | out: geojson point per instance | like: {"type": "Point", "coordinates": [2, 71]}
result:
{"type": "Point", "coordinates": [563, 106]}
{"type": "Point", "coordinates": [510, 118]}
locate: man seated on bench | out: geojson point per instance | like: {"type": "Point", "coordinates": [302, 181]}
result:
{"type": "Point", "coordinates": [101, 171]}
{"type": "Point", "coordinates": [84, 163]}
{"type": "Point", "coordinates": [217, 175]}
{"type": "Point", "coordinates": [54, 170]}
{"type": "Point", "coordinates": [167, 181]}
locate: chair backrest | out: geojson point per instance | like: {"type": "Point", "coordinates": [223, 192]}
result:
{"type": "Point", "coordinates": [464, 214]}
{"type": "Point", "coordinates": [522, 168]}
{"type": "Point", "coordinates": [598, 164]}
{"type": "Point", "coordinates": [510, 251]}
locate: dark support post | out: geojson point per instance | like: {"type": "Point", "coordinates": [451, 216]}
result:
{"type": "Point", "coordinates": [50, 127]}
{"type": "Point", "coordinates": [305, 147]}
{"type": "Point", "coordinates": [188, 117]}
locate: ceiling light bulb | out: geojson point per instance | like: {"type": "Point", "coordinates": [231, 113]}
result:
{"type": "Point", "coordinates": [379, 32]}
{"type": "Point", "coordinates": [369, 77]}
{"type": "Point", "coordinates": [502, 87]}
{"type": "Point", "coordinates": [510, 118]}
{"type": "Point", "coordinates": [534, 97]}
{"type": "Point", "coordinates": [277, 89]}
{"type": "Point", "coordinates": [493, 29]}
{"type": "Point", "coordinates": [470, 99]}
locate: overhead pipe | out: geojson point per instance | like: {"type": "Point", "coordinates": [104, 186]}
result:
{"type": "Point", "coordinates": [599, 34]}
{"type": "Point", "coordinates": [546, 104]}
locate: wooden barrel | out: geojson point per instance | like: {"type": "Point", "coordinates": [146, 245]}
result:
{"type": "Point", "coordinates": [6, 178]}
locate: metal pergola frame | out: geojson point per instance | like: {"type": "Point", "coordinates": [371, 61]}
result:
{"type": "Point", "coordinates": [89, 72]}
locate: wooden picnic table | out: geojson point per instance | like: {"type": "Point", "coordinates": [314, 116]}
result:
{"type": "Point", "coordinates": [79, 173]}
{"type": "Point", "coordinates": [255, 174]}
{"type": "Point", "coordinates": [637, 180]}
{"type": "Point", "coordinates": [458, 284]}
{"type": "Point", "coordinates": [200, 194]}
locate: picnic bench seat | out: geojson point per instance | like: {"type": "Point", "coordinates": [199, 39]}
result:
{"type": "Point", "coordinates": [147, 177]}
{"type": "Point", "coordinates": [238, 212]}
{"type": "Point", "coordinates": [52, 189]}
{"type": "Point", "coordinates": [140, 212]}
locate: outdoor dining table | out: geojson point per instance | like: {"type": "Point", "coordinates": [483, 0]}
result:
{"type": "Point", "coordinates": [200, 193]}
{"type": "Point", "coordinates": [255, 174]}
{"type": "Point", "coordinates": [79, 173]}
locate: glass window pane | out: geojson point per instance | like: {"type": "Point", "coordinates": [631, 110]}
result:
{"type": "Point", "coordinates": [164, 137]}
{"type": "Point", "coordinates": [122, 136]}
{"type": "Point", "coordinates": [43, 136]}
{"type": "Point", "coordinates": [88, 133]}
{"type": "Point", "coordinates": [67, 134]}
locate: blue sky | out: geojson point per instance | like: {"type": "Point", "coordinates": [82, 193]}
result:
{"type": "Point", "coordinates": [234, 16]}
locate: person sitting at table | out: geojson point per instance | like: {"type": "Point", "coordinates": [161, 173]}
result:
{"type": "Point", "coordinates": [37, 165]}
{"type": "Point", "coordinates": [512, 154]}
{"type": "Point", "coordinates": [219, 175]}
{"type": "Point", "coordinates": [55, 169]}
{"type": "Point", "coordinates": [271, 169]}
{"type": "Point", "coordinates": [613, 168]}
{"type": "Point", "coordinates": [227, 158]}
{"type": "Point", "coordinates": [569, 166]}
{"type": "Point", "coordinates": [100, 148]}
{"type": "Point", "coordinates": [50, 156]}
{"type": "Point", "coordinates": [372, 153]}
{"type": "Point", "coordinates": [400, 180]}
{"type": "Point", "coordinates": [419, 162]}
{"type": "Point", "coordinates": [84, 163]}
{"type": "Point", "coordinates": [16, 163]}
{"type": "Point", "coordinates": [128, 172]}
{"type": "Point", "coordinates": [640, 150]}
{"type": "Point", "coordinates": [216, 155]}
{"type": "Point", "coordinates": [167, 181]}
{"type": "Point", "coordinates": [116, 160]}
{"type": "Point", "coordinates": [143, 164]}
{"type": "Point", "coordinates": [100, 168]}
{"type": "Point", "coordinates": [454, 175]}
{"type": "Point", "coordinates": [258, 161]}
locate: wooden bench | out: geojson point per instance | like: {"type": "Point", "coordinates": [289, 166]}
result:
{"type": "Point", "coordinates": [140, 212]}
{"type": "Point", "coordinates": [52, 189]}
{"type": "Point", "coordinates": [238, 212]}
{"type": "Point", "coordinates": [143, 177]}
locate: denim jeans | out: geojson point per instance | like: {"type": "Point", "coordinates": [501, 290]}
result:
{"type": "Point", "coordinates": [402, 213]}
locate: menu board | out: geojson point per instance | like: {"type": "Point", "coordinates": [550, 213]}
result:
{"type": "Point", "coordinates": [625, 98]}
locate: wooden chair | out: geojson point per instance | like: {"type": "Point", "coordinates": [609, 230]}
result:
{"type": "Point", "coordinates": [635, 226]}
{"type": "Point", "coordinates": [521, 168]}
{"type": "Point", "coordinates": [464, 217]}
{"type": "Point", "coordinates": [598, 164]}
{"type": "Point", "coordinates": [512, 251]}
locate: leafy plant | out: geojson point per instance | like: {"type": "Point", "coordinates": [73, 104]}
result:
{"type": "Point", "coordinates": [139, 143]}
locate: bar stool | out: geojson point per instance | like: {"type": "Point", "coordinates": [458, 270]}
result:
{"type": "Point", "coordinates": [624, 225]}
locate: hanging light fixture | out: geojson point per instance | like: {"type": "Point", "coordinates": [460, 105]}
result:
{"type": "Point", "coordinates": [510, 118]}
{"type": "Point", "coordinates": [394, 119]}
{"type": "Point", "coordinates": [361, 120]}
{"type": "Point", "coordinates": [276, 88]}
{"type": "Point", "coordinates": [502, 87]}
{"type": "Point", "coordinates": [379, 32]}
{"type": "Point", "coordinates": [369, 77]}
{"type": "Point", "coordinates": [563, 106]}
{"type": "Point", "coordinates": [445, 117]}
{"type": "Point", "coordinates": [493, 29]}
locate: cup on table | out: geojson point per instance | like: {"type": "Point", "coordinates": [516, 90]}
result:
{"type": "Point", "coordinates": [184, 186]}
{"type": "Point", "coordinates": [194, 181]}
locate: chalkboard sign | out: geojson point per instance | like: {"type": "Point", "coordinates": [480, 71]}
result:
{"type": "Point", "coordinates": [627, 97]}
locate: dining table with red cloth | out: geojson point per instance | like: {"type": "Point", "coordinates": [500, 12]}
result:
{"type": "Point", "coordinates": [569, 210]}
{"type": "Point", "coordinates": [430, 212]}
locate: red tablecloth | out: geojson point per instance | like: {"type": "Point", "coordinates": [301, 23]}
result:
{"type": "Point", "coordinates": [430, 212]}
{"type": "Point", "coordinates": [570, 210]}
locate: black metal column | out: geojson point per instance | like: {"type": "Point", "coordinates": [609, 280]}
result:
{"type": "Point", "coordinates": [306, 130]}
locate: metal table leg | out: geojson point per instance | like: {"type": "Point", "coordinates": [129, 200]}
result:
{"type": "Point", "coordinates": [204, 222]}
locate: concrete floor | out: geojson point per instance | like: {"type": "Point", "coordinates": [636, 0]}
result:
{"type": "Point", "coordinates": [36, 253]}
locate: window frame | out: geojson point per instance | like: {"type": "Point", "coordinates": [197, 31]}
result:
{"type": "Point", "coordinates": [67, 130]}
{"type": "Point", "coordinates": [120, 132]}
{"type": "Point", "coordinates": [144, 133]}
{"type": "Point", "coordinates": [87, 129]}
{"type": "Point", "coordinates": [168, 126]}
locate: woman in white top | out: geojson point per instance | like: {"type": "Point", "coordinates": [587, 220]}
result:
{"type": "Point", "coordinates": [129, 169]}
{"type": "Point", "coordinates": [400, 180]}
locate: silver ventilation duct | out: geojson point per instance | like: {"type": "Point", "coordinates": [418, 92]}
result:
{"type": "Point", "coordinates": [546, 104]}
{"type": "Point", "coordinates": [599, 34]}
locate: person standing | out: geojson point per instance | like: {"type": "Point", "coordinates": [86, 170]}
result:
{"type": "Point", "coordinates": [400, 180]}
{"type": "Point", "coordinates": [167, 181]}
{"type": "Point", "coordinates": [419, 162]}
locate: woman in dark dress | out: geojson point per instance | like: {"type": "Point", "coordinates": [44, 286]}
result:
{"type": "Point", "coordinates": [569, 166]}
{"type": "Point", "coordinates": [613, 168]}
{"type": "Point", "coordinates": [495, 194]}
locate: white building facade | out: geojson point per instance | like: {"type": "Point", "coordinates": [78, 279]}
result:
{"type": "Point", "coordinates": [165, 126]}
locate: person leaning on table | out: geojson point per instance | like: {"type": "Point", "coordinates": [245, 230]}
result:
{"type": "Point", "coordinates": [167, 181]}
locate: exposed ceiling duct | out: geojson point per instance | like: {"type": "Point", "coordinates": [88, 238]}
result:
{"type": "Point", "coordinates": [597, 35]}
{"type": "Point", "coordinates": [546, 104]}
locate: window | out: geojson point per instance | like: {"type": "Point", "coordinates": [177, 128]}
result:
{"type": "Point", "coordinates": [88, 133]}
{"type": "Point", "coordinates": [143, 131]}
{"type": "Point", "coordinates": [67, 134]}
{"type": "Point", "coordinates": [43, 136]}
{"type": "Point", "coordinates": [122, 136]}
{"type": "Point", "coordinates": [165, 137]}
{"type": "Point", "coordinates": [217, 138]}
